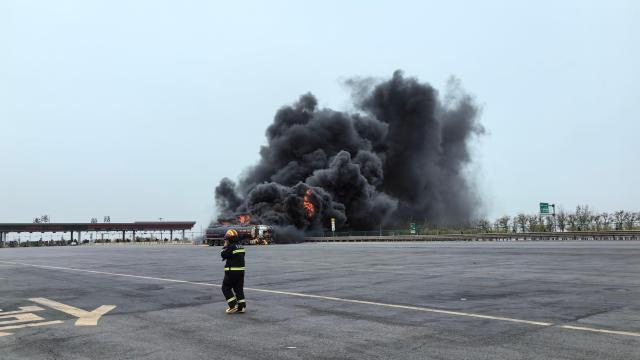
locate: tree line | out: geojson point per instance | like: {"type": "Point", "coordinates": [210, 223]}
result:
{"type": "Point", "coordinates": [582, 219]}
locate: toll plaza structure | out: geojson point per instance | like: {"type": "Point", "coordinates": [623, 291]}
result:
{"type": "Point", "coordinates": [79, 228]}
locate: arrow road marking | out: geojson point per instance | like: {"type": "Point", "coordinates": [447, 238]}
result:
{"type": "Point", "coordinates": [13, 327]}
{"type": "Point", "coordinates": [23, 309]}
{"type": "Point", "coordinates": [85, 318]}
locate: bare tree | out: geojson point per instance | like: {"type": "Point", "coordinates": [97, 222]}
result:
{"type": "Point", "coordinates": [549, 223]}
{"type": "Point", "coordinates": [618, 219]}
{"type": "Point", "coordinates": [583, 217]}
{"type": "Point", "coordinates": [522, 219]}
{"type": "Point", "coordinates": [496, 225]}
{"type": "Point", "coordinates": [533, 222]}
{"type": "Point", "coordinates": [572, 222]}
{"type": "Point", "coordinates": [502, 224]}
{"type": "Point", "coordinates": [561, 219]}
{"type": "Point", "coordinates": [484, 225]}
{"type": "Point", "coordinates": [596, 220]}
{"type": "Point", "coordinates": [541, 226]}
{"type": "Point", "coordinates": [606, 221]}
{"type": "Point", "coordinates": [629, 220]}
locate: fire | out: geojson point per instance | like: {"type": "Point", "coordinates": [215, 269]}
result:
{"type": "Point", "coordinates": [308, 205]}
{"type": "Point", "coordinates": [244, 218]}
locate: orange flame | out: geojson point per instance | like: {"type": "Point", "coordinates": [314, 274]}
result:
{"type": "Point", "coordinates": [244, 218]}
{"type": "Point", "coordinates": [308, 205]}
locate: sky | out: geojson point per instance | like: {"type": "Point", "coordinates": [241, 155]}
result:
{"type": "Point", "coordinates": [137, 109]}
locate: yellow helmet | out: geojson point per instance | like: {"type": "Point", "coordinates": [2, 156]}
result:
{"type": "Point", "coordinates": [231, 234]}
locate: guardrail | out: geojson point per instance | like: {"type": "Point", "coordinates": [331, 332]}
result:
{"type": "Point", "coordinates": [549, 236]}
{"type": "Point", "coordinates": [141, 243]}
{"type": "Point", "coordinates": [15, 244]}
{"type": "Point", "coordinates": [575, 235]}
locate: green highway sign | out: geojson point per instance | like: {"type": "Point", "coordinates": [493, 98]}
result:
{"type": "Point", "coordinates": [412, 228]}
{"type": "Point", "coordinates": [544, 208]}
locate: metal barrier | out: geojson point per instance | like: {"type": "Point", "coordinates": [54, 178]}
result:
{"type": "Point", "coordinates": [548, 236]}
{"type": "Point", "coordinates": [388, 237]}
{"type": "Point", "coordinates": [141, 243]}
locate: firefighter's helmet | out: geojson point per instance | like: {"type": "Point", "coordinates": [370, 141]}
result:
{"type": "Point", "coordinates": [231, 234]}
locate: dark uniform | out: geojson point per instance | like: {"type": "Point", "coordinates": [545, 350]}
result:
{"type": "Point", "coordinates": [233, 276]}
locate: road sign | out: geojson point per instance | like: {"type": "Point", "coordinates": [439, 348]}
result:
{"type": "Point", "coordinates": [412, 228]}
{"type": "Point", "coordinates": [333, 224]}
{"type": "Point", "coordinates": [544, 208]}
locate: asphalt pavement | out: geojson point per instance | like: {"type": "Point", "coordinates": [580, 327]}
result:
{"type": "Point", "coordinates": [441, 300]}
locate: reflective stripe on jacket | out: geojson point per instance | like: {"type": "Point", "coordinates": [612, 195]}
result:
{"type": "Point", "coordinates": [234, 256]}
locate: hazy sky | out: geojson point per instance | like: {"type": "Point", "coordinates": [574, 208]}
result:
{"type": "Point", "coordinates": [136, 109]}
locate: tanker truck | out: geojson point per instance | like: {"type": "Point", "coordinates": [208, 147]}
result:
{"type": "Point", "coordinates": [247, 234]}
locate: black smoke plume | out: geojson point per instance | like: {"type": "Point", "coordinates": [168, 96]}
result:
{"type": "Point", "coordinates": [400, 154]}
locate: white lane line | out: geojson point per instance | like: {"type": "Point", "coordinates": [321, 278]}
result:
{"type": "Point", "coordinates": [353, 301]}
{"type": "Point", "coordinates": [437, 311]}
{"type": "Point", "coordinates": [615, 332]}
{"type": "Point", "coordinates": [115, 274]}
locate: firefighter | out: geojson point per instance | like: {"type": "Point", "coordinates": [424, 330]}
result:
{"type": "Point", "coordinates": [233, 283]}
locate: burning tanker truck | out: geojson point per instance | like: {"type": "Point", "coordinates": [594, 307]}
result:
{"type": "Point", "coordinates": [248, 234]}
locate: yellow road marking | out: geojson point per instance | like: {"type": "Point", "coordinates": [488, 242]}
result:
{"type": "Point", "coordinates": [397, 306]}
{"type": "Point", "coordinates": [23, 309]}
{"type": "Point", "coordinates": [13, 327]}
{"type": "Point", "coordinates": [85, 318]}
{"type": "Point", "coordinates": [19, 318]}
